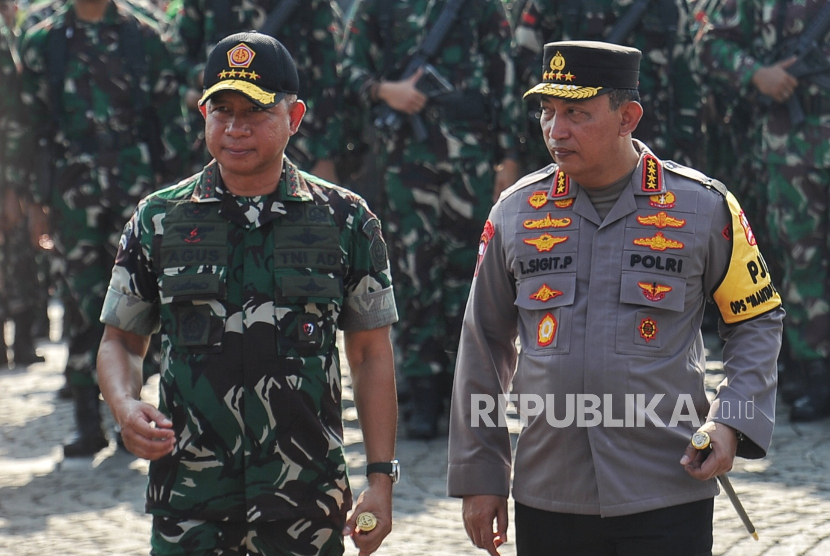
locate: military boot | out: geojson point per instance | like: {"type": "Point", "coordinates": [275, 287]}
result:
{"type": "Point", "coordinates": [24, 346]}
{"type": "Point", "coordinates": [90, 436]}
{"type": "Point", "coordinates": [816, 403]}
{"type": "Point", "coordinates": [425, 405]}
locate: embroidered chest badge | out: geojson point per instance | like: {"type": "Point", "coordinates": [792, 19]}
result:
{"type": "Point", "coordinates": [654, 291]}
{"type": "Point", "coordinates": [546, 331]}
{"type": "Point", "coordinates": [661, 220]}
{"type": "Point", "coordinates": [659, 242]}
{"type": "Point", "coordinates": [545, 293]}
{"type": "Point", "coordinates": [545, 242]}
{"type": "Point", "coordinates": [563, 203]}
{"type": "Point", "coordinates": [665, 200]}
{"type": "Point", "coordinates": [651, 174]}
{"type": "Point", "coordinates": [547, 222]}
{"type": "Point", "coordinates": [648, 329]}
{"type": "Point", "coordinates": [538, 199]}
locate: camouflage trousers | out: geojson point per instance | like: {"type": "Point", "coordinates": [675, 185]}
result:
{"type": "Point", "coordinates": [87, 220]}
{"type": "Point", "coordinates": [20, 286]}
{"type": "Point", "coordinates": [798, 215]}
{"type": "Point", "coordinates": [294, 537]}
{"type": "Point", "coordinates": [434, 216]}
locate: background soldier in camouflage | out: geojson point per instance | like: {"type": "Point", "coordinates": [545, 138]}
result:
{"type": "Point", "coordinates": [739, 50]}
{"type": "Point", "coordinates": [439, 190]}
{"type": "Point", "coordinates": [19, 284]}
{"type": "Point", "coordinates": [249, 268]}
{"type": "Point", "coordinates": [100, 85]}
{"type": "Point", "coordinates": [667, 87]}
{"type": "Point", "coordinates": [310, 34]}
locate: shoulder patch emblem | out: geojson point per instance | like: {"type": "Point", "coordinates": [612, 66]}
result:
{"type": "Point", "coordinates": [561, 184]}
{"type": "Point", "coordinates": [648, 329]}
{"type": "Point", "coordinates": [661, 220]}
{"type": "Point", "coordinates": [651, 174]}
{"type": "Point", "coordinates": [546, 331]}
{"type": "Point", "coordinates": [538, 199]}
{"type": "Point", "coordinates": [563, 203]}
{"type": "Point", "coordinates": [486, 236]}
{"type": "Point", "coordinates": [545, 242]}
{"type": "Point", "coordinates": [654, 291]}
{"type": "Point", "coordinates": [750, 237]}
{"type": "Point", "coordinates": [664, 200]}
{"type": "Point", "coordinates": [659, 242]}
{"type": "Point", "coordinates": [545, 293]}
{"type": "Point", "coordinates": [547, 222]}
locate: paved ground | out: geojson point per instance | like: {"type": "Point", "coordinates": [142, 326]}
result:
{"type": "Point", "coordinates": [49, 505]}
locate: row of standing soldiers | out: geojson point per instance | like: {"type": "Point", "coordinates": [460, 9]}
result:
{"type": "Point", "coordinates": [106, 114]}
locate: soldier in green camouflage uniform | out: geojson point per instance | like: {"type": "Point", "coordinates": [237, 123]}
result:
{"type": "Point", "coordinates": [90, 85]}
{"type": "Point", "coordinates": [19, 285]}
{"type": "Point", "coordinates": [310, 34]}
{"type": "Point", "coordinates": [440, 190]}
{"type": "Point", "coordinates": [738, 49]}
{"type": "Point", "coordinates": [667, 87]}
{"type": "Point", "coordinates": [249, 268]}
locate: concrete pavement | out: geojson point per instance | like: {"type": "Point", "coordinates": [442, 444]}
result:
{"type": "Point", "coordinates": [93, 506]}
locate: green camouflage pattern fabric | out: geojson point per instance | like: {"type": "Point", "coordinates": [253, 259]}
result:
{"type": "Point", "coordinates": [248, 294]}
{"type": "Point", "coordinates": [100, 167]}
{"type": "Point", "coordinates": [148, 12]}
{"type": "Point", "coordinates": [668, 90]}
{"type": "Point", "coordinates": [742, 38]}
{"type": "Point", "coordinates": [19, 284]}
{"type": "Point", "coordinates": [293, 537]}
{"type": "Point", "coordinates": [438, 192]}
{"type": "Point", "coordinates": [310, 35]}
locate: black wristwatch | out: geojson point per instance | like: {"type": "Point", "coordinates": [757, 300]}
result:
{"type": "Point", "coordinates": [391, 468]}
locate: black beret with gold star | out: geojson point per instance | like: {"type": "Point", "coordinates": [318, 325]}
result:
{"type": "Point", "coordinates": [583, 69]}
{"type": "Point", "coordinates": [254, 64]}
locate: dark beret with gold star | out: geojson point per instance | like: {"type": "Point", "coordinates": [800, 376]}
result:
{"type": "Point", "coordinates": [254, 64]}
{"type": "Point", "coordinates": [583, 69]}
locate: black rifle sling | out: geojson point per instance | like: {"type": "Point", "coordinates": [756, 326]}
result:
{"type": "Point", "coordinates": [624, 25]}
{"type": "Point", "coordinates": [439, 31]}
{"type": "Point", "coordinates": [278, 16]}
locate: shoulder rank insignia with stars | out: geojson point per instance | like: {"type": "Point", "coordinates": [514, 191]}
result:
{"type": "Point", "coordinates": [661, 220]}
{"type": "Point", "coordinates": [651, 174]}
{"type": "Point", "coordinates": [561, 184]}
{"type": "Point", "coordinates": [547, 222]}
{"type": "Point", "coordinates": [654, 291]}
{"type": "Point", "coordinates": [545, 242]}
{"type": "Point", "coordinates": [659, 242]}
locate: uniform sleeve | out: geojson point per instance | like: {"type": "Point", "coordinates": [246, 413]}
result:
{"type": "Point", "coordinates": [725, 49]}
{"type": "Point", "coordinates": [751, 324]}
{"type": "Point", "coordinates": [132, 300]}
{"type": "Point", "coordinates": [496, 51]}
{"type": "Point", "coordinates": [369, 301]}
{"type": "Point", "coordinates": [479, 449]}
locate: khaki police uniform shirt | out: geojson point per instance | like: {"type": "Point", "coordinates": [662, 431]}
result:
{"type": "Point", "coordinates": [608, 314]}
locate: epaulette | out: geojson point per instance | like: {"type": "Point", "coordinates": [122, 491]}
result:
{"type": "Point", "coordinates": [695, 175]}
{"type": "Point", "coordinates": [528, 179]}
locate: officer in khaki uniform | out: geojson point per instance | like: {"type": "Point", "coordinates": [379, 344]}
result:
{"type": "Point", "coordinates": [601, 264]}
{"type": "Point", "coordinates": [248, 268]}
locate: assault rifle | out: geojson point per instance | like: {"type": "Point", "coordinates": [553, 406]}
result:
{"type": "Point", "coordinates": [627, 22]}
{"type": "Point", "coordinates": [388, 120]}
{"type": "Point", "coordinates": [810, 62]}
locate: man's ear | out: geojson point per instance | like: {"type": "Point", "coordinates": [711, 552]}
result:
{"type": "Point", "coordinates": [630, 114]}
{"type": "Point", "coordinates": [296, 111]}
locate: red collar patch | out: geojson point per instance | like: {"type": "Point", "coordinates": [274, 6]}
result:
{"type": "Point", "coordinates": [561, 185]}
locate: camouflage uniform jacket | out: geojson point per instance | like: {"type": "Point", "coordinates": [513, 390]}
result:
{"type": "Point", "coordinates": [741, 40]}
{"type": "Point", "coordinates": [474, 57]}
{"type": "Point", "coordinates": [248, 294]}
{"type": "Point", "coordinates": [97, 122]}
{"type": "Point", "coordinates": [667, 87]}
{"type": "Point", "coordinates": [310, 35]}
